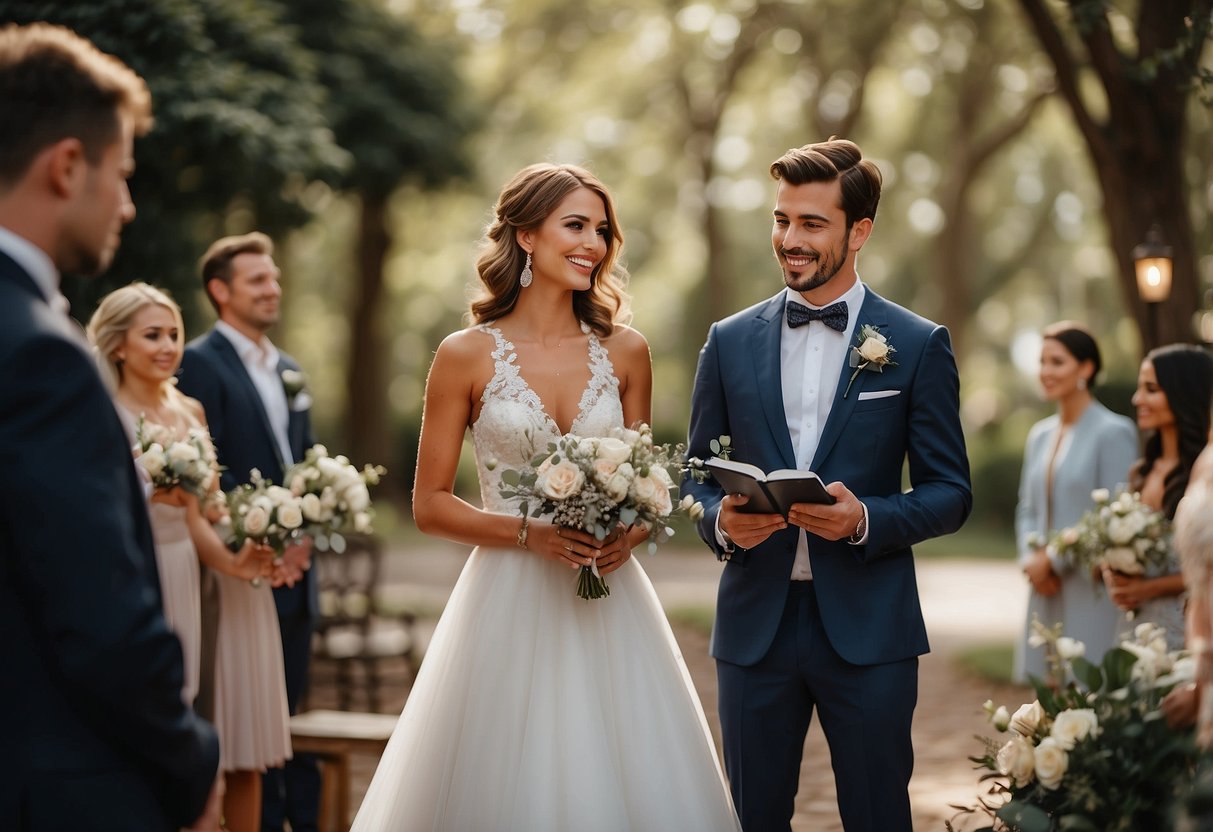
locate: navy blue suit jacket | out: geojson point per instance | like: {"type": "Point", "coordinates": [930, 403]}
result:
{"type": "Point", "coordinates": [867, 594]}
{"type": "Point", "coordinates": [94, 730]}
{"type": "Point", "coordinates": [212, 373]}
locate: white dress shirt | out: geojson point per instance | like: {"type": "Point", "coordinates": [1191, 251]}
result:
{"type": "Point", "coordinates": [811, 360]}
{"type": "Point", "coordinates": [38, 264]}
{"type": "Point", "coordinates": [261, 362]}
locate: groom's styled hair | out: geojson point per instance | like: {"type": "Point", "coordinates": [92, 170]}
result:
{"type": "Point", "coordinates": [216, 264]}
{"type": "Point", "coordinates": [56, 85]}
{"type": "Point", "coordinates": [836, 159]}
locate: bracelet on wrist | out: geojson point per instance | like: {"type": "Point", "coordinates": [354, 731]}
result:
{"type": "Point", "coordinates": [522, 532]}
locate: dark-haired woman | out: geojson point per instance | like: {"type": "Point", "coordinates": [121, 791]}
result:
{"type": "Point", "coordinates": [1082, 447]}
{"type": "Point", "coordinates": [536, 710]}
{"type": "Point", "coordinates": [1174, 388]}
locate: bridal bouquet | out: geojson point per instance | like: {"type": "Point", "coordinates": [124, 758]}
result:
{"type": "Point", "coordinates": [171, 462]}
{"type": "Point", "coordinates": [1094, 754]}
{"type": "Point", "coordinates": [598, 483]}
{"type": "Point", "coordinates": [1121, 533]}
{"type": "Point", "coordinates": [334, 496]}
{"type": "Point", "coordinates": [263, 512]}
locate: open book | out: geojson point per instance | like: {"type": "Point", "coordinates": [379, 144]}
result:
{"type": "Point", "coordinates": [769, 493]}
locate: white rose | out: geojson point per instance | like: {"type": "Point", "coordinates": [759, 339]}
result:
{"type": "Point", "coordinates": [264, 503]}
{"type": "Point", "coordinates": [256, 520]}
{"type": "Point", "coordinates": [290, 516]}
{"type": "Point", "coordinates": [1070, 648]}
{"type": "Point", "coordinates": [1101, 495]}
{"type": "Point", "coordinates": [614, 450]}
{"type": "Point", "coordinates": [617, 486]}
{"type": "Point", "coordinates": [1001, 718]}
{"type": "Point", "coordinates": [1073, 725]}
{"type": "Point", "coordinates": [631, 437]}
{"type": "Point", "coordinates": [153, 460]}
{"type": "Point", "coordinates": [650, 491]}
{"type": "Point", "coordinates": [561, 481]}
{"type": "Point", "coordinates": [329, 467]}
{"type": "Point", "coordinates": [328, 498]}
{"type": "Point", "coordinates": [182, 453]}
{"type": "Point", "coordinates": [311, 508]}
{"type": "Point", "coordinates": [1120, 530]}
{"type": "Point", "coordinates": [874, 348]}
{"type": "Point", "coordinates": [279, 496]}
{"type": "Point", "coordinates": [362, 522]}
{"type": "Point", "coordinates": [1069, 537]}
{"type": "Point", "coordinates": [1027, 719]}
{"type": "Point", "coordinates": [1017, 760]}
{"type": "Point", "coordinates": [357, 497]}
{"type": "Point", "coordinates": [298, 485]}
{"type": "Point", "coordinates": [1051, 763]}
{"type": "Point", "coordinates": [1123, 559]}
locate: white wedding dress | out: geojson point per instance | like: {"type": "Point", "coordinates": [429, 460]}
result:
{"type": "Point", "coordinates": [536, 710]}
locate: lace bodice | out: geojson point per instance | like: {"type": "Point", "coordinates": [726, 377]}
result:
{"type": "Point", "coordinates": [513, 425]}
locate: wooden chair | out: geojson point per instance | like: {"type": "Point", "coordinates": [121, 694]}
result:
{"type": "Point", "coordinates": [357, 639]}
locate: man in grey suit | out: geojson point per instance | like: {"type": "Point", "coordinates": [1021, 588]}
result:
{"type": "Point", "coordinates": [96, 735]}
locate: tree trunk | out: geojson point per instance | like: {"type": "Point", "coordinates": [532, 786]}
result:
{"type": "Point", "coordinates": [367, 417]}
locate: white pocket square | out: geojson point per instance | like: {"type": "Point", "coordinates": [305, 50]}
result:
{"type": "Point", "coordinates": [878, 394]}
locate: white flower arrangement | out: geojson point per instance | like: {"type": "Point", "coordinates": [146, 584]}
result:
{"type": "Point", "coordinates": [334, 496]}
{"type": "Point", "coordinates": [1094, 753]}
{"type": "Point", "coordinates": [1120, 533]}
{"type": "Point", "coordinates": [263, 512]}
{"type": "Point", "coordinates": [599, 483]}
{"type": "Point", "coordinates": [872, 351]}
{"type": "Point", "coordinates": [188, 462]}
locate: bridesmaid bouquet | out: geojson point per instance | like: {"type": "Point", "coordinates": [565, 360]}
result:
{"type": "Point", "coordinates": [596, 484]}
{"type": "Point", "coordinates": [334, 496]}
{"type": "Point", "coordinates": [1094, 753]}
{"type": "Point", "coordinates": [1121, 533]}
{"type": "Point", "coordinates": [171, 462]}
{"type": "Point", "coordinates": [263, 512]}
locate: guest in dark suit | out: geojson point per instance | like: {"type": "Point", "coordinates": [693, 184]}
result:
{"type": "Point", "coordinates": [258, 420]}
{"type": "Point", "coordinates": [820, 610]}
{"type": "Point", "coordinates": [95, 732]}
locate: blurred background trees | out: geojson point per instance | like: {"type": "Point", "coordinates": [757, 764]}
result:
{"type": "Point", "coordinates": [1027, 146]}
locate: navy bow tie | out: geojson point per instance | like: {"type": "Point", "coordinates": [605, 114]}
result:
{"type": "Point", "coordinates": [834, 316]}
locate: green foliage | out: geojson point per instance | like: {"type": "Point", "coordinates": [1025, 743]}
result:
{"type": "Point", "coordinates": [239, 125]}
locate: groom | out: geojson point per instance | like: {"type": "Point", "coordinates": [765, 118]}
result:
{"type": "Point", "coordinates": [820, 610]}
{"type": "Point", "coordinates": [259, 420]}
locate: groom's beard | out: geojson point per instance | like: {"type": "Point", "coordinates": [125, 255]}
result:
{"type": "Point", "coordinates": [829, 263]}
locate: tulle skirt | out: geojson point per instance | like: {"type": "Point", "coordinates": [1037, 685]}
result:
{"type": "Point", "coordinates": [538, 711]}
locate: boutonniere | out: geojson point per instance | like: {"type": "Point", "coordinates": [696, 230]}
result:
{"type": "Point", "coordinates": [872, 351]}
{"type": "Point", "coordinates": [294, 384]}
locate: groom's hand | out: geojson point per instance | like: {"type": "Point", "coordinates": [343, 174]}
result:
{"type": "Point", "coordinates": [832, 522]}
{"type": "Point", "coordinates": [746, 530]}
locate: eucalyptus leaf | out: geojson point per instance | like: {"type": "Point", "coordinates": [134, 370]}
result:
{"type": "Point", "coordinates": [337, 542]}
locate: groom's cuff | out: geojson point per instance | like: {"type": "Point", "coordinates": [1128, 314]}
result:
{"type": "Point", "coordinates": [861, 539]}
{"type": "Point", "coordinates": [726, 544]}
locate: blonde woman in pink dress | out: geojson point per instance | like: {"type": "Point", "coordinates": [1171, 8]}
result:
{"type": "Point", "coordinates": [138, 335]}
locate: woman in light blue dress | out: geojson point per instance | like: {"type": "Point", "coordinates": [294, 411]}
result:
{"type": "Point", "coordinates": [1174, 389]}
{"type": "Point", "coordinates": [1082, 447]}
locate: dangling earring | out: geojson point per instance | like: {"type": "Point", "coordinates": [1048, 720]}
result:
{"type": "Point", "coordinates": [527, 276]}
{"type": "Point", "coordinates": [1082, 383]}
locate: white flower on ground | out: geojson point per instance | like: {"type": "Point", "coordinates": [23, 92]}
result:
{"type": "Point", "coordinates": [1017, 760]}
{"type": "Point", "coordinates": [1051, 763]}
{"type": "Point", "coordinates": [1073, 725]}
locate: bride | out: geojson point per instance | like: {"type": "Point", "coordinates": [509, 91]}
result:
{"type": "Point", "coordinates": [534, 709]}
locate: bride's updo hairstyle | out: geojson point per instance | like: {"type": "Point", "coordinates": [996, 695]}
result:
{"type": "Point", "coordinates": [108, 327]}
{"type": "Point", "coordinates": [525, 202]}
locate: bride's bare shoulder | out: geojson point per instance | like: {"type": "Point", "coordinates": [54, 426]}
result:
{"type": "Point", "coordinates": [466, 345]}
{"type": "Point", "coordinates": [627, 344]}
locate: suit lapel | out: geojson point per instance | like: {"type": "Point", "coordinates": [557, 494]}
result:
{"type": "Point", "coordinates": [767, 331]}
{"type": "Point", "coordinates": [873, 313]}
{"type": "Point", "coordinates": [227, 354]}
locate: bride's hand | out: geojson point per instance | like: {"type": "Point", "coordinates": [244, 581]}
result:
{"type": "Point", "coordinates": [571, 547]}
{"type": "Point", "coordinates": [616, 550]}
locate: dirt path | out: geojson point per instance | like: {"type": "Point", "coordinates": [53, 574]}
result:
{"type": "Point", "coordinates": [961, 610]}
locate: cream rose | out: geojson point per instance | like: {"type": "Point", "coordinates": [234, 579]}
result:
{"type": "Point", "coordinates": [289, 515]}
{"type": "Point", "coordinates": [604, 469]}
{"type": "Point", "coordinates": [1070, 648]}
{"type": "Point", "coordinates": [298, 484]}
{"type": "Point", "coordinates": [1123, 559]}
{"type": "Point", "coordinates": [614, 450]}
{"type": "Point", "coordinates": [1101, 495]}
{"type": "Point", "coordinates": [561, 481]}
{"type": "Point", "coordinates": [1073, 725]}
{"type": "Point", "coordinates": [653, 493]}
{"type": "Point", "coordinates": [874, 348]}
{"type": "Point", "coordinates": [357, 497]}
{"type": "Point", "coordinates": [256, 520]}
{"type": "Point", "coordinates": [618, 485]}
{"type": "Point", "coordinates": [1027, 719]}
{"type": "Point", "coordinates": [1017, 760]}
{"type": "Point", "coordinates": [362, 522]}
{"type": "Point", "coordinates": [311, 507]}
{"type": "Point", "coordinates": [1001, 718]}
{"type": "Point", "coordinates": [153, 460]}
{"type": "Point", "coordinates": [1051, 763]}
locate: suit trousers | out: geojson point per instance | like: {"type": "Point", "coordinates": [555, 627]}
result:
{"type": "Point", "coordinates": [865, 712]}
